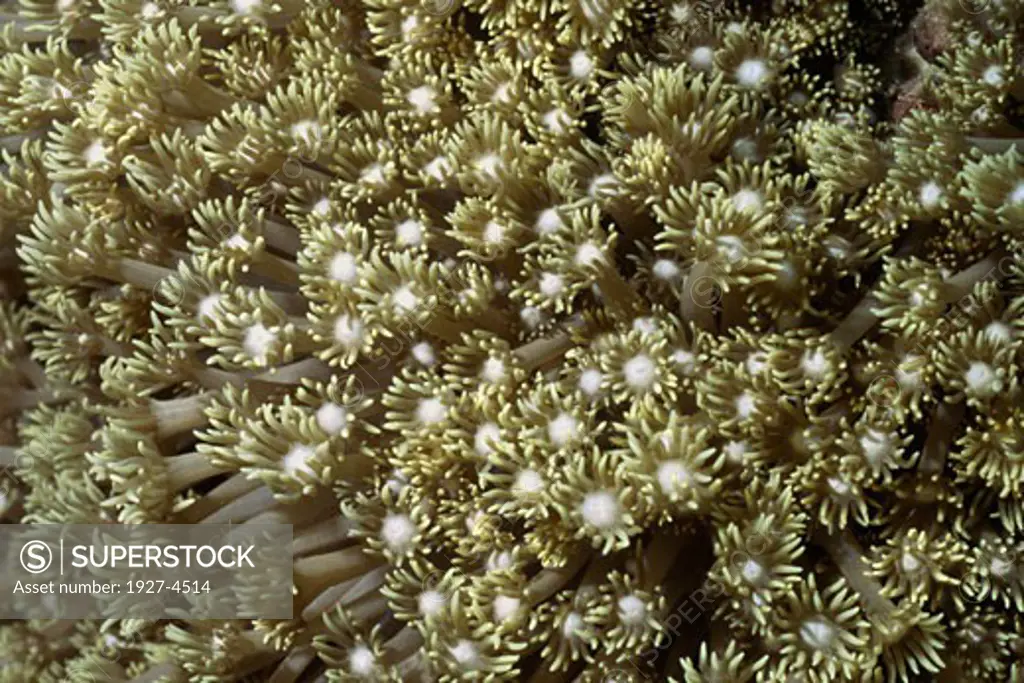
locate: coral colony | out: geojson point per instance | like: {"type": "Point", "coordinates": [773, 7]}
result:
{"type": "Point", "coordinates": [603, 341]}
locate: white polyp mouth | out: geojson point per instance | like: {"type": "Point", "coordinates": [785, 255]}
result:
{"type": "Point", "coordinates": [437, 168]}
{"type": "Point", "coordinates": [502, 94]}
{"type": "Point", "coordinates": [588, 254]}
{"type": "Point", "coordinates": [736, 451]}
{"type": "Point", "coordinates": [556, 121]}
{"type": "Point", "coordinates": [306, 130]}
{"type": "Point", "coordinates": [259, 340]}
{"type": "Point", "coordinates": [298, 459]}
{"type": "Point", "coordinates": [332, 418]}
{"type": "Point", "coordinates": [665, 269]}
{"type": "Point", "coordinates": [909, 562]}
{"type": "Point", "coordinates": [361, 661]}
{"type": "Point", "coordinates": [702, 57]}
{"type": "Point", "coordinates": [731, 247]}
{"type": "Point", "coordinates": [640, 372]}
{"type": "Point", "coordinates": [494, 232]}
{"type": "Point", "coordinates": [876, 445]}
{"type": "Point", "coordinates": [590, 382]}
{"type": "Point", "coordinates": [373, 174]}
{"type": "Point", "coordinates": [632, 610]}
{"type": "Point", "coordinates": [814, 363]}
{"type": "Point", "coordinates": [838, 486]}
{"type": "Point", "coordinates": [431, 411]}
{"type": "Point", "coordinates": [208, 307]}
{"type": "Point", "coordinates": [405, 300]}
{"type": "Point", "coordinates": [673, 475]}
{"type": "Point", "coordinates": [430, 603]}
{"type": "Point", "coordinates": [531, 316]}
{"type": "Point", "coordinates": [581, 66]}
{"type": "Point", "coordinates": [752, 73]}
{"type": "Point", "coordinates": [149, 10]}
{"type": "Point", "coordinates": [493, 370]}
{"type": "Point", "coordinates": [563, 429]}
{"type": "Point", "coordinates": [993, 76]}
{"type": "Point", "coordinates": [748, 200]}
{"type": "Point", "coordinates": [817, 634]}
{"type": "Point", "coordinates": [1017, 195]}
{"type": "Point", "coordinates": [409, 24]}
{"type": "Point", "coordinates": [95, 153]}
{"type": "Point", "coordinates": [322, 206]}
{"type": "Point", "coordinates": [1000, 566]}
{"type": "Point", "coordinates": [601, 510]}
{"type": "Point", "coordinates": [930, 194]}
{"type": "Point", "coordinates": [602, 183]}
{"type": "Point", "coordinates": [424, 354]}
{"type": "Point", "coordinates": [982, 379]}
{"type": "Point", "coordinates": [486, 436]}
{"type": "Point", "coordinates": [752, 571]}
{"type": "Point", "coordinates": [998, 331]}
{"type": "Point", "coordinates": [756, 362]}
{"type": "Point", "coordinates": [686, 360]}
{"type": "Point", "coordinates": [572, 625]}
{"type": "Point", "coordinates": [344, 268]}
{"type": "Point", "coordinates": [397, 531]}
{"type": "Point", "coordinates": [466, 654]}
{"type": "Point", "coordinates": [489, 164]}
{"type": "Point", "coordinates": [506, 607]}
{"type": "Point", "coordinates": [551, 285]}
{"type": "Point", "coordinates": [423, 99]}
{"type": "Point", "coordinates": [245, 6]}
{"type": "Point", "coordinates": [745, 405]}
{"type": "Point", "coordinates": [548, 222]}
{"type": "Point", "coordinates": [409, 233]}
{"type": "Point", "coordinates": [348, 331]}
{"type": "Point", "coordinates": [529, 482]}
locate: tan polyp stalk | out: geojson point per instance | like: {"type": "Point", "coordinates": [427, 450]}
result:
{"type": "Point", "coordinates": [733, 310]}
{"type": "Point", "coordinates": [547, 582]}
{"type": "Point", "coordinates": [274, 267]}
{"type": "Point", "coordinates": [659, 558]}
{"type": "Point", "coordinates": [314, 574]}
{"type": "Point", "coordinates": [39, 31]}
{"type": "Point", "coordinates": [544, 351]}
{"type": "Point", "coordinates": [995, 145]}
{"type": "Point", "coordinates": [8, 457]}
{"type": "Point", "coordinates": [618, 295]}
{"type": "Point", "coordinates": [401, 647]}
{"type": "Point", "coordinates": [177, 415]}
{"type": "Point", "coordinates": [444, 327]}
{"type": "Point", "coordinates": [24, 400]}
{"type": "Point", "coordinates": [134, 272]}
{"type": "Point", "coordinates": [184, 471]}
{"type": "Point", "coordinates": [322, 535]}
{"type": "Point", "coordinates": [242, 508]}
{"type": "Point", "coordinates": [293, 665]}
{"type": "Point", "coordinates": [702, 316]}
{"type": "Point", "coordinates": [861, 319]}
{"type": "Point", "coordinates": [164, 671]}
{"type": "Point", "coordinates": [846, 553]}
{"type": "Point", "coordinates": [200, 97]}
{"type": "Point", "coordinates": [493, 320]}
{"type": "Point", "coordinates": [941, 435]}
{"type": "Point", "coordinates": [232, 489]}
{"type": "Point", "coordinates": [281, 236]}
{"type": "Point", "coordinates": [307, 511]}
{"type": "Point", "coordinates": [32, 371]}
{"type": "Point", "coordinates": [345, 593]}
